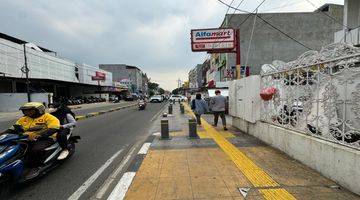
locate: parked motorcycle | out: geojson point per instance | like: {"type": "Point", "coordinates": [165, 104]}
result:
{"type": "Point", "coordinates": [142, 105]}
{"type": "Point", "coordinates": [13, 150]}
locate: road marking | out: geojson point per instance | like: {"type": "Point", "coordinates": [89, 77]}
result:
{"type": "Point", "coordinates": [122, 187]}
{"type": "Point", "coordinates": [77, 194]}
{"type": "Point", "coordinates": [112, 177]}
{"type": "Point", "coordinates": [158, 113]}
{"type": "Point", "coordinates": [144, 149]}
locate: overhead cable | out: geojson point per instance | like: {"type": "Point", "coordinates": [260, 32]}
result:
{"type": "Point", "coordinates": [268, 23]}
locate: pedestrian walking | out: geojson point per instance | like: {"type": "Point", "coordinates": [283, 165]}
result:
{"type": "Point", "coordinates": [218, 107]}
{"type": "Point", "coordinates": [199, 107]}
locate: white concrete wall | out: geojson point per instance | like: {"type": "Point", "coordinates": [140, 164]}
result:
{"type": "Point", "coordinates": [244, 98]}
{"type": "Point", "coordinates": [10, 102]}
{"type": "Point", "coordinates": [87, 71]}
{"type": "Point", "coordinates": [337, 162]}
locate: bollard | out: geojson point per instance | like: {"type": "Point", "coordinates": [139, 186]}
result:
{"type": "Point", "coordinates": [170, 109]}
{"type": "Point", "coordinates": [182, 110]}
{"type": "Point", "coordinates": [192, 129]}
{"type": "Point", "coordinates": [165, 129]}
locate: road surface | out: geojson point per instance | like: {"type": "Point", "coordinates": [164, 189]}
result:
{"type": "Point", "coordinates": [102, 136]}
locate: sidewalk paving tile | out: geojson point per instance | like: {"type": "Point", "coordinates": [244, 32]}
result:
{"type": "Point", "coordinates": [199, 169]}
{"type": "Point", "coordinates": [174, 188]}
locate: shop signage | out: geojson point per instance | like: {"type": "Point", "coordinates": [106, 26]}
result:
{"type": "Point", "coordinates": [212, 39]}
{"type": "Point", "coordinates": [99, 76]}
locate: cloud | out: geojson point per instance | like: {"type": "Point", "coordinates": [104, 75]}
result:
{"type": "Point", "coordinates": [154, 35]}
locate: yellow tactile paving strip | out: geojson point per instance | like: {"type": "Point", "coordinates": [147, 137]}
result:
{"type": "Point", "coordinates": [204, 135]}
{"type": "Point", "coordinates": [257, 176]}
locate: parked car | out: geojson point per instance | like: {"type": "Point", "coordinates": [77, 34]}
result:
{"type": "Point", "coordinates": [157, 99]}
{"type": "Point", "coordinates": [129, 97]}
{"type": "Point", "coordinates": [177, 98]}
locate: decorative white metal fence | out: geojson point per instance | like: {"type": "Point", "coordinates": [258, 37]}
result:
{"type": "Point", "coordinates": [317, 94]}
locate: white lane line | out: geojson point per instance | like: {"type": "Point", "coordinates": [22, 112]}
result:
{"type": "Point", "coordinates": [77, 194]}
{"type": "Point", "coordinates": [113, 176]}
{"type": "Point", "coordinates": [144, 149]}
{"type": "Point", "coordinates": [157, 114]}
{"type": "Point", "coordinates": [122, 187]}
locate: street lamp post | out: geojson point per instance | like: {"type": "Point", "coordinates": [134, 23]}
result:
{"type": "Point", "coordinates": [27, 75]}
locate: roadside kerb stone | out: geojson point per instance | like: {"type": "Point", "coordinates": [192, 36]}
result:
{"type": "Point", "coordinates": [82, 117]}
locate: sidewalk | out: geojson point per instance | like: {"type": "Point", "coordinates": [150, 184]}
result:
{"type": "Point", "coordinates": [224, 165]}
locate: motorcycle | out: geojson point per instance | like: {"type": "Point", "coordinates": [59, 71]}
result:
{"type": "Point", "coordinates": [13, 151]}
{"type": "Point", "coordinates": [142, 105]}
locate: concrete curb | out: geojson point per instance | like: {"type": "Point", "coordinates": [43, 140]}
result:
{"type": "Point", "coordinates": [93, 114]}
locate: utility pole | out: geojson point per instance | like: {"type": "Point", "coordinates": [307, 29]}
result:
{"type": "Point", "coordinates": [26, 75]}
{"type": "Point", "coordinates": [179, 83]}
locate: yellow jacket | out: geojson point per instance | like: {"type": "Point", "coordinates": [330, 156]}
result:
{"type": "Point", "coordinates": [32, 126]}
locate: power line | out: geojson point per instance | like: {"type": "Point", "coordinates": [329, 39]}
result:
{"type": "Point", "coordinates": [252, 12]}
{"type": "Point", "coordinates": [268, 23]}
{"type": "Point", "coordinates": [329, 16]}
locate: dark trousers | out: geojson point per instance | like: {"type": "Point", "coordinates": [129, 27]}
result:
{"type": "Point", "coordinates": [216, 117]}
{"type": "Point", "coordinates": [37, 152]}
{"type": "Point", "coordinates": [61, 138]}
{"type": "Point", "coordinates": [198, 118]}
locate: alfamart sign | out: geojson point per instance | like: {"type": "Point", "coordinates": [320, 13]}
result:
{"type": "Point", "coordinates": [212, 39]}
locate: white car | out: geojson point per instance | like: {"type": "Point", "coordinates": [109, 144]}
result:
{"type": "Point", "coordinates": [157, 99]}
{"type": "Point", "coordinates": [177, 98]}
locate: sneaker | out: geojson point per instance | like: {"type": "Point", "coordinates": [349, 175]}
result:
{"type": "Point", "coordinates": [32, 173]}
{"type": "Point", "coordinates": [214, 125]}
{"type": "Point", "coordinates": [225, 129]}
{"type": "Point", "coordinates": [64, 153]}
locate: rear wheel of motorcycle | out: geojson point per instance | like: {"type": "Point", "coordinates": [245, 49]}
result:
{"type": "Point", "coordinates": [71, 148]}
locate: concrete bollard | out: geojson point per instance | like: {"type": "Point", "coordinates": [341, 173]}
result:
{"type": "Point", "coordinates": [165, 129]}
{"type": "Point", "coordinates": [182, 109]}
{"type": "Point", "coordinates": [170, 109]}
{"type": "Point", "coordinates": [193, 129]}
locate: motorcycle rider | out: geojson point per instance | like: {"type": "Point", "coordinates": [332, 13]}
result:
{"type": "Point", "coordinates": [41, 129]}
{"type": "Point", "coordinates": [67, 122]}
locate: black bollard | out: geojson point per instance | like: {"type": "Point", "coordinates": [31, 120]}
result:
{"type": "Point", "coordinates": [165, 129]}
{"type": "Point", "coordinates": [170, 109]}
{"type": "Point", "coordinates": [192, 129]}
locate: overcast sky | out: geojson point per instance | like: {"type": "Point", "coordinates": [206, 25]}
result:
{"type": "Point", "coordinates": [151, 34]}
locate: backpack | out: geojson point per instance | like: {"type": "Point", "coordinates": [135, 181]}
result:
{"type": "Point", "coordinates": [193, 107]}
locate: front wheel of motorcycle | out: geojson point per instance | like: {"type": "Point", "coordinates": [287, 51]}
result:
{"type": "Point", "coordinates": [6, 183]}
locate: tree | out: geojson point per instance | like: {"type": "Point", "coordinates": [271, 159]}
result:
{"type": "Point", "coordinates": [152, 86]}
{"type": "Point", "coordinates": [177, 90]}
{"type": "Point", "coordinates": [161, 91]}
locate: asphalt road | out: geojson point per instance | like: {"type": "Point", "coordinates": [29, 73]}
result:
{"type": "Point", "coordinates": [102, 136]}
{"type": "Point", "coordinates": [7, 123]}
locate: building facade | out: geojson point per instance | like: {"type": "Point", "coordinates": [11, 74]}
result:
{"type": "Point", "coordinates": [196, 77]}
{"type": "Point", "coordinates": [126, 73]}
{"type": "Point", "coordinates": [48, 74]}
{"type": "Point", "coordinates": [351, 32]}
{"type": "Point", "coordinates": [313, 29]}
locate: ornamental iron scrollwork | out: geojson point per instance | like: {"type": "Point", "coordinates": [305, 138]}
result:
{"type": "Point", "coordinates": [318, 94]}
